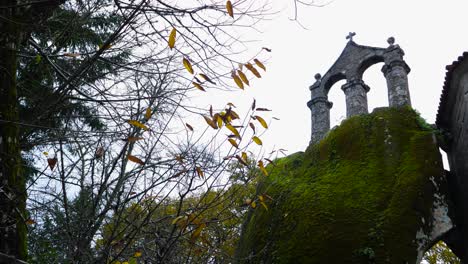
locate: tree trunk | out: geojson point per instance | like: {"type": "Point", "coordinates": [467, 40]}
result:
{"type": "Point", "coordinates": [12, 186]}
{"type": "Point", "coordinates": [16, 23]}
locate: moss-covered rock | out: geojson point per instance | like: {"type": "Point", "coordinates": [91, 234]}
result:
{"type": "Point", "coordinates": [368, 193]}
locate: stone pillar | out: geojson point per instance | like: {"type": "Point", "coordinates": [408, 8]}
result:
{"type": "Point", "coordinates": [320, 109]}
{"type": "Point", "coordinates": [356, 97]}
{"type": "Point", "coordinates": [396, 72]}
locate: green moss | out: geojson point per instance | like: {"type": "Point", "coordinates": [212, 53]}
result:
{"type": "Point", "coordinates": [358, 196]}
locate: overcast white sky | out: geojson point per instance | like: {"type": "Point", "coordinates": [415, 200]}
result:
{"type": "Point", "coordinates": [432, 34]}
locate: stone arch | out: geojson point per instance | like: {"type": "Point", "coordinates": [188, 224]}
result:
{"type": "Point", "coordinates": [367, 63]}
{"type": "Point", "coordinates": [330, 81]}
{"type": "Point", "coordinates": [351, 64]}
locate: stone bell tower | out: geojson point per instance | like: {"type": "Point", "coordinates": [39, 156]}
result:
{"type": "Point", "coordinates": [350, 66]}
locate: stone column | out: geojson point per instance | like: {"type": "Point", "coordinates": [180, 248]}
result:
{"type": "Point", "coordinates": [356, 97]}
{"type": "Point", "coordinates": [396, 72]}
{"type": "Point", "coordinates": [320, 108]}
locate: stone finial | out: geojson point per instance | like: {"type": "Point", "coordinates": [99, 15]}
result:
{"type": "Point", "coordinates": [318, 76]}
{"type": "Point", "coordinates": [351, 35]}
{"type": "Point", "coordinates": [391, 41]}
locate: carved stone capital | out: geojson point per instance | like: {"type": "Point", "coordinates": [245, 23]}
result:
{"type": "Point", "coordinates": [396, 63]}
{"type": "Point", "coordinates": [355, 83]}
{"type": "Point", "coordinates": [316, 100]}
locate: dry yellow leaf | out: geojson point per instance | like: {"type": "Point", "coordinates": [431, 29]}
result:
{"type": "Point", "coordinates": [237, 80]}
{"type": "Point", "coordinates": [261, 121]}
{"type": "Point", "coordinates": [253, 204]}
{"type": "Point", "coordinates": [262, 167]}
{"type": "Point", "coordinates": [197, 232]}
{"type": "Point", "coordinates": [244, 156]}
{"type": "Point", "coordinates": [137, 254]}
{"type": "Point", "coordinates": [233, 130]}
{"type": "Point", "coordinates": [257, 140]}
{"type": "Point", "coordinates": [233, 142]}
{"type": "Point", "coordinates": [148, 113]}
{"type": "Point", "coordinates": [187, 65]}
{"type": "Point", "coordinates": [138, 124]}
{"type": "Point", "coordinates": [243, 77]}
{"type": "Point", "coordinates": [198, 86]}
{"type": "Point", "coordinates": [251, 68]}
{"type": "Point", "coordinates": [172, 38]}
{"type": "Point", "coordinates": [218, 120]}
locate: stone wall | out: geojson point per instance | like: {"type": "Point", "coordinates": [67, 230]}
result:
{"type": "Point", "coordinates": [452, 120]}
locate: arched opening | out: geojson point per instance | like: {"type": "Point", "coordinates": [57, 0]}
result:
{"type": "Point", "coordinates": [378, 94]}
{"type": "Point", "coordinates": [440, 253]}
{"type": "Point", "coordinates": [338, 98]}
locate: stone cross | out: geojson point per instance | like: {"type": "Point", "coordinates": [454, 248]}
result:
{"type": "Point", "coordinates": [351, 35]}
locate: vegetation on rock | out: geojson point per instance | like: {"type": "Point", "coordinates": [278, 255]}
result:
{"type": "Point", "coordinates": [358, 196]}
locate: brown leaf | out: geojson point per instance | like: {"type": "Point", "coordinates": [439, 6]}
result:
{"type": "Point", "coordinates": [270, 161]}
{"type": "Point", "coordinates": [267, 49]}
{"type": "Point", "coordinates": [207, 78]}
{"type": "Point", "coordinates": [253, 104]}
{"type": "Point", "coordinates": [252, 126]}
{"type": "Point", "coordinates": [259, 64]}
{"type": "Point", "coordinates": [229, 9]}
{"type": "Point", "coordinates": [133, 139]}
{"type": "Point", "coordinates": [135, 159]}
{"type": "Point", "coordinates": [198, 86]}
{"type": "Point", "coordinates": [211, 110]}
{"type": "Point", "coordinates": [231, 104]}
{"type": "Point", "coordinates": [210, 122]}
{"type": "Point", "coordinates": [30, 222]}
{"type": "Point", "coordinates": [179, 158]}
{"type": "Point", "coordinates": [189, 126]}
{"type": "Point", "coordinates": [200, 173]}
{"type": "Point", "coordinates": [72, 55]}
{"type": "Point", "coordinates": [241, 160]}
{"type": "Point", "coordinates": [233, 114]}
{"type": "Point", "coordinates": [99, 153]}
{"type": "Point", "coordinates": [251, 68]}
{"type": "Point", "coordinates": [263, 109]}
{"type": "Point", "coordinates": [52, 162]}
